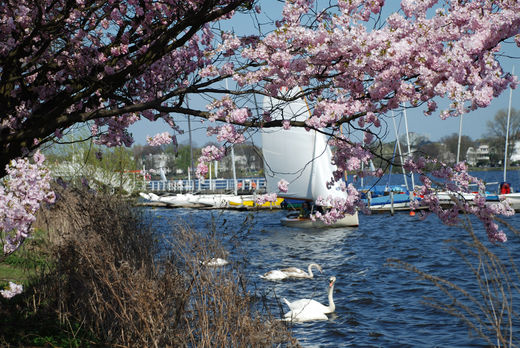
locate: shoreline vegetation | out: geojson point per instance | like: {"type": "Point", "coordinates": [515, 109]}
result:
{"type": "Point", "coordinates": [95, 274]}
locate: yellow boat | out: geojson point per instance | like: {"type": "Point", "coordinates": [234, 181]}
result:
{"type": "Point", "coordinates": [249, 201]}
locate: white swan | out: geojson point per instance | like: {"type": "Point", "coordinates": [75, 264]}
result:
{"type": "Point", "coordinates": [290, 272]}
{"type": "Point", "coordinates": [294, 272]}
{"type": "Point", "coordinates": [216, 262]}
{"type": "Point", "coordinates": [307, 309]}
{"type": "Point", "coordinates": [274, 275]}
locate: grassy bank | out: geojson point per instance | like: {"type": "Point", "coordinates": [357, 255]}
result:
{"type": "Point", "coordinates": [24, 320]}
{"type": "Point", "coordinates": [94, 278]}
{"type": "Point", "coordinates": [27, 262]}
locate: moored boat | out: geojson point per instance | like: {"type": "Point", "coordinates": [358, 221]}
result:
{"type": "Point", "coordinates": [295, 220]}
{"type": "Point", "coordinates": [389, 203]}
{"type": "Point", "coordinates": [178, 200]}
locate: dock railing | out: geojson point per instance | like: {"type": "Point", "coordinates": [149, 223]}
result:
{"type": "Point", "coordinates": [206, 185]}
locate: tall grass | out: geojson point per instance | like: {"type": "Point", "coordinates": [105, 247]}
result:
{"type": "Point", "coordinates": [109, 280]}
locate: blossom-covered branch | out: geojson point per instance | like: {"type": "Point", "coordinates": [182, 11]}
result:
{"type": "Point", "coordinates": [63, 62]}
{"type": "Point", "coordinates": [22, 191]}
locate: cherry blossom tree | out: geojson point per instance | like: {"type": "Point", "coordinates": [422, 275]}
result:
{"type": "Point", "coordinates": [115, 62]}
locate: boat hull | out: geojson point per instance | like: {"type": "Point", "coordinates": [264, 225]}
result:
{"type": "Point", "coordinates": [347, 221]}
{"type": "Point", "coordinates": [512, 198]}
{"type": "Point", "coordinates": [217, 201]}
{"type": "Point", "coordinates": [388, 207]}
{"type": "Point", "coordinates": [446, 198]}
{"type": "Point", "coordinates": [178, 200]}
{"type": "Point", "coordinates": [389, 203]}
{"type": "Point", "coordinates": [249, 202]}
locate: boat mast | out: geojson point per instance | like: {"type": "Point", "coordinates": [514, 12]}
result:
{"type": "Point", "coordinates": [362, 168]}
{"type": "Point", "coordinates": [234, 170]}
{"type": "Point", "coordinates": [191, 151]}
{"type": "Point", "coordinates": [210, 188]}
{"type": "Point", "coordinates": [507, 127]}
{"type": "Point", "coordinates": [408, 141]}
{"type": "Point", "coordinates": [235, 184]}
{"type": "Point", "coordinates": [399, 149]}
{"type": "Point", "coordinates": [460, 136]}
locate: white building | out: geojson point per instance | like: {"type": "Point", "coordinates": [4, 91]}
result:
{"type": "Point", "coordinates": [159, 160]}
{"type": "Point", "coordinates": [515, 153]}
{"type": "Point", "coordinates": [478, 155]}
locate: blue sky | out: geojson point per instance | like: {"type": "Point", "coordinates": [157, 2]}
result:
{"type": "Point", "coordinates": [474, 123]}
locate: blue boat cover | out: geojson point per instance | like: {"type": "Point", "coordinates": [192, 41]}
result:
{"type": "Point", "coordinates": [398, 198]}
{"type": "Point", "coordinates": [380, 190]}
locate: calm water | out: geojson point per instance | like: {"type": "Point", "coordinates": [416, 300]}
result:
{"type": "Point", "coordinates": [376, 305]}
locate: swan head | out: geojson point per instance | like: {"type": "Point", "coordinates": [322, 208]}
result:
{"type": "Point", "coordinates": [332, 280]}
{"type": "Point", "coordinates": [315, 265]}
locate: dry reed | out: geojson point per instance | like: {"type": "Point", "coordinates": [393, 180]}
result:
{"type": "Point", "coordinates": [108, 277]}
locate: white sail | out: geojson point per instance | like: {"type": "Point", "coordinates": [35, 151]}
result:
{"type": "Point", "coordinates": [162, 174]}
{"type": "Point", "coordinates": [301, 157]}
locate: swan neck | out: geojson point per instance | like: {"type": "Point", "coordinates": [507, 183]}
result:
{"type": "Point", "coordinates": [310, 269]}
{"type": "Point", "coordinates": [332, 306]}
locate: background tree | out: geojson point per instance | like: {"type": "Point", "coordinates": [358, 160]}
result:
{"type": "Point", "coordinates": [497, 130]}
{"type": "Point", "coordinates": [498, 127]}
{"type": "Point", "coordinates": [144, 155]}
{"type": "Point", "coordinates": [430, 149]}
{"type": "Point", "coordinates": [386, 150]}
{"type": "Point", "coordinates": [416, 140]}
{"type": "Point", "coordinates": [144, 150]}
{"type": "Point", "coordinates": [77, 157]}
{"type": "Point", "coordinates": [183, 159]}
{"type": "Point", "coordinates": [452, 142]}
{"type": "Point", "coordinates": [253, 158]}
{"type": "Point", "coordinates": [171, 152]}
{"type": "Point", "coordinates": [496, 149]}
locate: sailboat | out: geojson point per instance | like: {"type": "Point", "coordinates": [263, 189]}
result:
{"type": "Point", "coordinates": [390, 198]}
{"type": "Point", "coordinates": [302, 158]}
{"type": "Point", "coordinates": [505, 193]}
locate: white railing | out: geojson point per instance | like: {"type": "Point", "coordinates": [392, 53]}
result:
{"type": "Point", "coordinates": [249, 184]}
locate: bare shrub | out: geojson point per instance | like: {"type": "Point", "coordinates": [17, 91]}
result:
{"type": "Point", "coordinates": [219, 307]}
{"type": "Point", "coordinates": [108, 277]}
{"type": "Point", "coordinates": [491, 308]}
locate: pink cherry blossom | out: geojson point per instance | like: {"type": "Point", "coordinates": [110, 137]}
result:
{"type": "Point", "coordinates": [209, 154]}
{"type": "Point", "coordinates": [283, 185]}
{"type": "Point", "coordinates": [268, 197]}
{"type": "Point", "coordinates": [159, 139]}
{"type": "Point", "coordinates": [21, 193]}
{"type": "Point", "coordinates": [13, 290]}
{"type": "Point", "coordinates": [457, 180]}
